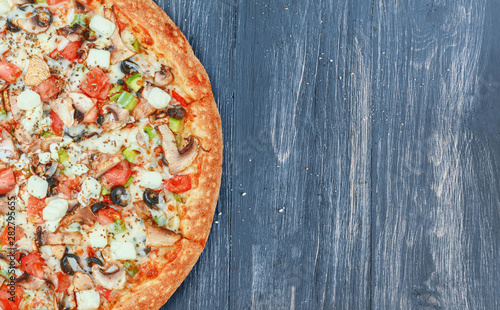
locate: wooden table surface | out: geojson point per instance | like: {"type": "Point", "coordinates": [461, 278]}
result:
{"type": "Point", "coordinates": [361, 160]}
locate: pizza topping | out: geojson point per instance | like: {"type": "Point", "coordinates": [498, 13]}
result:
{"type": "Point", "coordinates": [113, 278]}
{"type": "Point", "coordinates": [158, 98]}
{"type": "Point", "coordinates": [28, 100]}
{"type": "Point", "coordinates": [102, 26]}
{"type": "Point", "coordinates": [64, 109]}
{"type": "Point", "coordinates": [8, 150]}
{"type": "Point", "coordinates": [67, 265]}
{"type": "Point", "coordinates": [98, 58]}
{"type": "Point", "coordinates": [151, 198]}
{"type": "Point", "coordinates": [123, 250]}
{"type": "Point", "coordinates": [177, 160]}
{"type": "Point", "coordinates": [160, 237]}
{"type": "Point", "coordinates": [38, 187]}
{"type": "Point", "coordinates": [29, 282]}
{"type": "Point", "coordinates": [38, 71]}
{"type": "Point", "coordinates": [88, 300]}
{"type": "Point", "coordinates": [120, 117]}
{"type": "Point", "coordinates": [54, 212]}
{"type": "Point", "coordinates": [82, 282]}
{"type": "Point", "coordinates": [152, 180]}
{"type": "Point", "coordinates": [38, 22]}
{"type": "Point", "coordinates": [163, 77]}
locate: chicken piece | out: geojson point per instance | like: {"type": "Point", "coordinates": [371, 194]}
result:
{"type": "Point", "coordinates": [38, 71]}
{"type": "Point", "coordinates": [104, 162]}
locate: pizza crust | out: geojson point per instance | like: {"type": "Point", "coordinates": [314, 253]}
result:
{"type": "Point", "coordinates": [196, 217]}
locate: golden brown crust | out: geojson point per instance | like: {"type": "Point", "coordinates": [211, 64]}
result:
{"type": "Point", "coordinates": [197, 214]}
{"type": "Point", "coordinates": [153, 293]}
{"type": "Point", "coordinates": [158, 32]}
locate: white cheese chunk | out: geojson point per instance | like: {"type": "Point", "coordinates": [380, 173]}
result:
{"type": "Point", "coordinates": [4, 7]}
{"type": "Point", "coordinates": [32, 119]}
{"type": "Point", "coordinates": [102, 26]}
{"type": "Point", "coordinates": [123, 250]}
{"type": "Point", "coordinates": [91, 189]}
{"type": "Point", "coordinates": [88, 300]}
{"type": "Point", "coordinates": [37, 187]}
{"type": "Point", "coordinates": [98, 237]}
{"type": "Point", "coordinates": [151, 180]}
{"type": "Point", "coordinates": [98, 58]}
{"type": "Point", "coordinates": [78, 169]}
{"type": "Point", "coordinates": [44, 158]}
{"type": "Point", "coordinates": [54, 212]}
{"type": "Point", "coordinates": [158, 98]}
{"type": "Point", "coordinates": [28, 100]}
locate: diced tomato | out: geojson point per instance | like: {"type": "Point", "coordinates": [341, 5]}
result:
{"type": "Point", "coordinates": [33, 264]}
{"type": "Point", "coordinates": [48, 88]}
{"type": "Point", "coordinates": [179, 98]}
{"type": "Point", "coordinates": [107, 199]}
{"type": "Point", "coordinates": [8, 71]}
{"type": "Point", "coordinates": [7, 181]}
{"type": "Point", "coordinates": [70, 52]}
{"type": "Point", "coordinates": [104, 292]}
{"type": "Point", "coordinates": [94, 83]}
{"type": "Point", "coordinates": [119, 174]}
{"type": "Point", "coordinates": [73, 183]}
{"type": "Point", "coordinates": [105, 92]}
{"type": "Point", "coordinates": [64, 282]}
{"type": "Point", "coordinates": [14, 237]}
{"type": "Point", "coordinates": [91, 252]}
{"type": "Point", "coordinates": [10, 299]}
{"type": "Point", "coordinates": [54, 2]}
{"type": "Point", "coordinates": [179, 184]}
{"type": "Point", "coordinates": [91, 116]}
{"type": "Point", "coordinates": [57, 123]}
{"type": "Point", "coordinates": [67, 186]}
{"type": "Point", "coordinates": [158, 150]}
{"type": "Point", "coordinates": [107, 216]}
{"type": "Point", "coordinates": [35, 208]}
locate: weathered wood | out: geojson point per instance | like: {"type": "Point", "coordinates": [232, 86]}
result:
{"type": "Point", "coordinates": [361, 149]}
{"type": "Point", "coordinates": [203, 22]}
{"type": "Point", "coordinates": [435, 180]}
{"type": "Point", "coordinates": [300, 223]}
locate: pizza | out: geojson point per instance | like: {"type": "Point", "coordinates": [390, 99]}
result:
{"type": "Point", "coordinates": [110, 155]}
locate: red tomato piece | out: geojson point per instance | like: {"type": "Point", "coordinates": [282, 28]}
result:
{"type": "Point", "coordinates": [10, 300]}
{"type": "Point", "coordinates": [48, 88]}
{"type": "Point", "coordinates": [35, 208]}
{"type": "Point", "coordinates": [119, 174]}
{"type": "Point", "coordinates": [33, 264]}
{"type": "Point", "coordinates": [179, 98]}
{"type": "Point", "coordinates": [54, 2]}
{"type": "Point", "coordinates": [7, 181]}
{"type": "Point", "coordinates": [179, 184]}
{"type": "Point", "coordinates": [57, 123]}
{"type": "Point", "coordinates": [94, 83]}
{"type": "Point", "coordinates": [107, 216]}
{"type": "Point", "coordinates": [70, 52]}
{"type": "Point", "coordinates": [64, 282]}
{"type": "Point", "coordinates": [4, 237]}
{"type": "Point", "coordinates": [104, 292]}
{"type": "Point", "coordinates": [105, 92]}
{"type": "Point", "coordinates": [8, 71]}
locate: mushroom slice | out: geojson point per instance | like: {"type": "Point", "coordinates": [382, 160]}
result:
{"type": "Point", "coordinates": [120, 51]}
{"type": "Point", "coordinates": [7, 148]}
{"type": "Point", "coordinates": [58, 250]}
{"type": "Point", "coordinates": [6, 102]}
{"type": "Point", "coordinates": [112, 280]}
{"type": "Point", "coordinates": [84, 216]}
{"type": "Point", "coordinates": [63, 107]}
{"type": "Point", "coordinates": [82, 281]}
{"type": "Point", "coordinates": [160, 237]}
{"type": "Point", "coordinates": [38, 23]}
{"type": "Point", "coordinates": [29, 282]}
{"type": "Point", "coordinates": [121, 117]}
{"type": "Point", "coordinates": [177, 160]}
{"type": "Point", "coordinates": [164, 77]}
{"type": "Point", "coordinates": [104, 163]}
{"type": "Point", "coordinates": [38, 71]}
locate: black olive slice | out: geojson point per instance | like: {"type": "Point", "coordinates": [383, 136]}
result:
{"type": "Point", "coordinates": [120, 196]}
{"type": "Point", "coordinates": [66, 266]}
{"type": "Point", "coordinates": [97, 206]}
{"type": "Point", "coordinates": [151, 198]}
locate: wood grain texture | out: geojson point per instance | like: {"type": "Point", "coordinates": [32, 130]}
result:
{"type": "Point", "coordinates": [362, 144]}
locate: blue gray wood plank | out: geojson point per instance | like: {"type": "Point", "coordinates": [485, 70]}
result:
{"type": "Point", "coordinates": [362, 144]}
